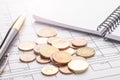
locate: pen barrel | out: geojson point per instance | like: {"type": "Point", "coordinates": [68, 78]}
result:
{"type": "Point", "coordinates": [8, 41]}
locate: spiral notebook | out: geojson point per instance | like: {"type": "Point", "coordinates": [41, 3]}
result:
{"type": "Point", "coordinates": [99, 17]}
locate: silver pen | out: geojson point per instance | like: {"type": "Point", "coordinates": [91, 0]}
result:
{"type": "Point", "coordinates": [12, 32]}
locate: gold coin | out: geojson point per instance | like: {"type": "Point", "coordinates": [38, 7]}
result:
{"type": "Point", "coordinates": [26, 45]}
{"type": "Point", "coordinates": [41, 41]}
{"type": "Point", "coordinates": [69, 50]}
{"type": "Point", "coordinates": [71, 46]}
{"type": "Point", "coordinates": [37, 49]}
{"type": "Point", "coordinates": [47, 50]}
{"type": "Point", "coordinates": [85, 52]}
{"type": "Point", "coordinates": [61, 57]}
{"type": "Point", "coordinates": [47, 32]}
{"type": "Point", "coordinates": [74, 47]}
{"type": "Point", "coordinates": [41, 60]}
{"type": "Point", "coordinates": [65, 70]}
{"type": "Point", "coordinates": [78, 66]}
{"type": "Point", "coordinates": [51, 39]}
{"type": "Point", "coordinates": [54, 62]}
{"type": "Point", "coordinates": [60, 43]}
{"type": "Point", "coordinates": [79, 42]}
{"type": "Point", "coordinates": [49, 70]}
{"type": "Point", "coordinates": [78, 58]}
{"type": "Point", "coordinates": [27, 57]}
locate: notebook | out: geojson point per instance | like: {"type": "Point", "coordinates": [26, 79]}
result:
{"type": "Point", "coordinates": [99, 17]}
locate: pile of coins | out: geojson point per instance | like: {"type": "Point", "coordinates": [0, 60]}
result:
{"type": "Point", "coordinates": [66, 56]}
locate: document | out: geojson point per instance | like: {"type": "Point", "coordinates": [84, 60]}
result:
{"type": "Point", "coordinates": [105, 65]}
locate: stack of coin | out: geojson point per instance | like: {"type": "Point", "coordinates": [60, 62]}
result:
{"type": "Point", "coordinates": [66, 56]}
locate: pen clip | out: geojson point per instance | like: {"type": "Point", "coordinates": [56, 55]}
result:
{"type": "Point", "coordinates": [3, 63]}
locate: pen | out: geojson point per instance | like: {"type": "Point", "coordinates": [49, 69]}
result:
{"type": "Point", "coordinates": [12, 32]}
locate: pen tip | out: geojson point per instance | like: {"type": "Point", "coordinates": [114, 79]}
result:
{"type": "Point", "coordinates": [19, 22]}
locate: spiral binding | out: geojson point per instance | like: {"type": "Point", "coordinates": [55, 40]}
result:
{"type": "Point", "coordinates": [111, 22]}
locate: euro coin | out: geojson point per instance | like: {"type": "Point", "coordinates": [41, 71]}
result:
{"type": "Point", "coordinates": [79, 42]}
{"type": "Point", "coordinates": [27, 57]}
{"type": "Point", "coordinates": [70, 51]}
{"type": "Point", "coordinates": [74, 47]}
{"type": "Point", "coordinates": [51, 39]}
{"type": "Point", "coordinates": [60, 43]}
{"type": "Point", "coordinates": [47, 32]}
{"type": "Point", "coordinates": [54, 62]}
{"type": "Point", "coordinates": [41, 60]}
{"type": "Point", "coordinates": [37, 49]}
{"type": "Point", "coordinates": [86, 52]}
{"type": "Point", "coordinates": [47, 50]}
{"type": "Point", "coordinates": [61, 57]}
{"type": "Point", "coordinates": [26, 45]}
{"type": "Point", "coordinates": [65, 70]}
{"type": "Point", "coordinates": [49, 70]}
{"type": "Point", "coordinates": [78, 66]}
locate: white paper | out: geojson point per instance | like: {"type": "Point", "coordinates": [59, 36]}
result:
{"type": "Point", "coordinates": [88, 14]}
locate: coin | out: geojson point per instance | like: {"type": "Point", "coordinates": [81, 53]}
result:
{"type": "Point", "coordinates": [51, 39]}
{"type": "Point", "coordinates": [55, 63]}
{"type": "Point", "coordinates": [37, 49]}
{"type": "Point", "coordinates": [41, 40]}
{"type": "Point", "coordinates": [49, 70]}
{"type": "Point", "coordinates": [78, 66]}
{"type": "Point", "coordinates": [61, 57]}
{"type": "Point", "coordinates": [74, 47]}
{"type": "Point", "coordinates": [70, 51]}
{"type": "Point", "coordinates": [60, 43]}
{"type": "Point", "coordinates": [41, 60]}
{"type": "Point", "coordinates": [27, 57]}
{"type": "Point", "coordinates": [47, 32]}
{"type": "Point", "coordinates": [78, 58]}
{"type": "Point", "coordinates": [26, 45]}
{"type": "Point", "coordinates": [79, 42]}
{"type": "Point", "coordinates": [86, 52]}
{"type": "Point", "coordinates": [47, 50]}
{"type": "Point", "coordinates": [65, 70]}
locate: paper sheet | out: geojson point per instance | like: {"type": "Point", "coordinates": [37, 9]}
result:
{"type": "Point", "coordinates": [105, 65]}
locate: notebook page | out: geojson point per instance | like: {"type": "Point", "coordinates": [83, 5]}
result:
{"type": "Point", "coordinates": [81, 13]}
